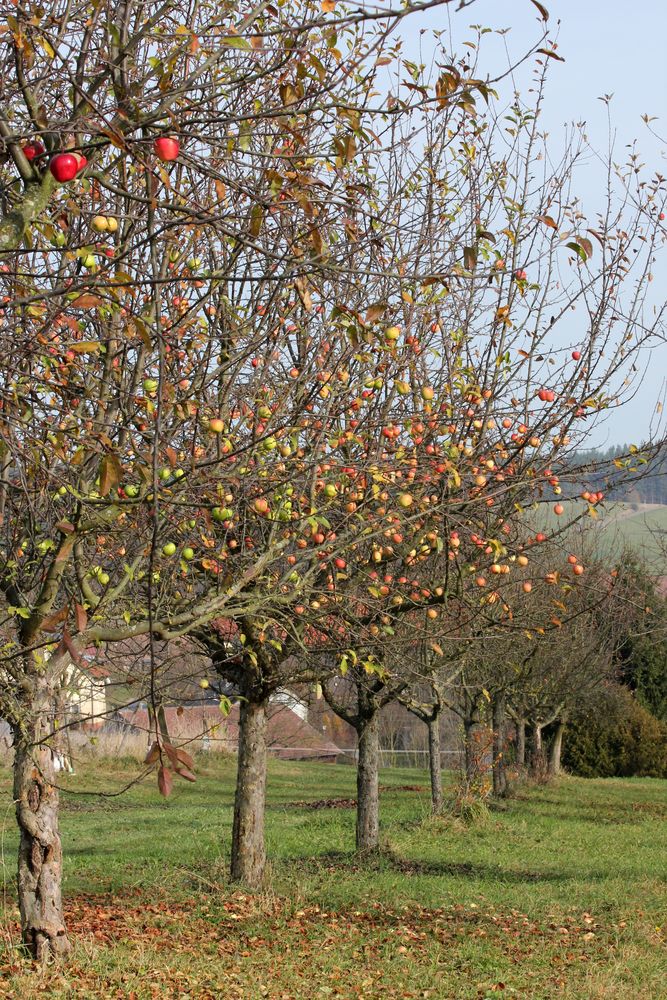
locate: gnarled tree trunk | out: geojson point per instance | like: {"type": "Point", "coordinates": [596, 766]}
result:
{"type": "Point", "coordinates": [434, 763]}
{"type": "Point", "coordinates": [40, 857]}
{"type": "Point", "coordinates": [556, 748]}
{"type": "Point", "coordinates": [248, 850]}
{"type": "Point", "coordinates": [368, 805]}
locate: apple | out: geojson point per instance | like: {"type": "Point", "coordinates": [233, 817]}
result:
{"type": "Point", "coordinates": [112, 224]}
{"type": "Point", "coordinates": [578, 569]}
{"type": "Point", "coordinates": [64, 167]}
{"type": "Point", "coordinates": [32, 150]}
{"type": "Point", "coordinates": [100, 224]}
{"type": "Point", "coordinates": [405, 500]}
{"type": "Point", "coordinates": [222, 513]}
{"type": "Point", "coordinates": [150, 384]}
{"type": "Point", "coordinates": [168, 549]}
{"type": "Point", "coordinates": [576, 355]}
{"type": "Point", "coordinates": [88, 261]}
{"type": "Point", "coordinates": [131, 491]}
{"type": "Point", "coordinates": [203, 684]}
{"type": "Point", "coordinates": [558, 508]}
{"type": "Point", "coordinates": [261, 505]}
{"type": "Point", "coordinates": [392, 334]}
{"type": "Point", "coordinates": [216, 426]}
{"type": "Point", "coordinates": [527, 586]}
{"type": "Point", "coordinates": [427, 393]}
{"type": "Point", "coordinates": [166, 148]}
{"type": "Point", "coordinates": [104, 578]}
{"type": "Point", "coordinates": [330, 490]}
{"type": "Point", "coordinates": [59, 239]}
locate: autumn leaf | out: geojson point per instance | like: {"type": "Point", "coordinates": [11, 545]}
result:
{"type": "Point", "coordinates": [165, 781]}
{"type": "Point", "coordinates": [548, 221]}
{"type": "Point", "coordinates": [80, 617]}
{"type": "Point", "coordinates": [110, 473]}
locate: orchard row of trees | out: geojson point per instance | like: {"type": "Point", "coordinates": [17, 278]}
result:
{"type": "Point", "coordinates": [296, 334]}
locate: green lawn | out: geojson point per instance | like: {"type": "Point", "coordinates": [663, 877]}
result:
{"type": "Point", "coordinates": [561, 894]}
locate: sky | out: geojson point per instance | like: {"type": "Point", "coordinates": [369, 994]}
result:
{"type": "Point", "coordinates": [609, 47]}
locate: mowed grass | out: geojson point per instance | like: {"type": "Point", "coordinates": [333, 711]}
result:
{"type": "Point", "coordinates": [560, 894]}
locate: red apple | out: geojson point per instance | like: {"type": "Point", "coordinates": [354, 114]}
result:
{"type": "Point", "coordinates": [32, 150]}
{"type": "Point", "coordinates": [64, 167]}
{"type": "Point", "coordinates": [167, 148]}
{"type": "Point", "coordinates": [576, 355]}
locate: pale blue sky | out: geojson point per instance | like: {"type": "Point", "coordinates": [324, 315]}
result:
{"type": "Point", "coordinates": [609, 47]}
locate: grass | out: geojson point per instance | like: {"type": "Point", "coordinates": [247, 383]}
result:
{"type": "Point", "coordinates": [560, 894]}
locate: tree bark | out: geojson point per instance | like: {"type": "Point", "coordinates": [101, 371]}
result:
{"type": "Point", "coordinates": [40, 856]}
{"type": "Point", "coordinates": [499, 772]}
{"type": "Point", "coordinates": [521, 744]}
{"type": "Point", "coordinates": [535, 751]}
{"type": "Point", "coordinates": [471, 765]}
{"type": "Point", "coordinates": [248, 850]}
{"type": "Point", "coordinates": [555, 749]}
{"type": "Point", "coordinates": [434, 763]}
{"type": "Point", "coordinates": [36, 197]}
{"type": "Point", "coordinates": [368, 806]}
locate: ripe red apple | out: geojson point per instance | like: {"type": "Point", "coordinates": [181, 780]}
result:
{"type": "Point", "coordinates": [167, 148]}
{"type": "Point", "coordinates": [32, 150]}
{"type": "Point", "coordinates": [576, 355]}
{"type": "Point", "coordinates": [64, 167]}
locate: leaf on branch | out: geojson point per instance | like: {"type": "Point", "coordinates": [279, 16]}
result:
{"type": "Point", "coordinates": [51, 623]}
{"type": "Point", "coordinates": [304, 294]}
{"type": "Point", "coordinates": [542, 9]}
{"type": "Point", "coordinates": [470, 257]}
{"type": "Point", "coordinates": [87, 301]}
{"type": "Point", "coordinates": [165, 782]}
{"type": "Point", "coordinates": [153, 754]}
{"type": "Point", "coordinates": [375, 312]}
{"type": "Point", "coordinates": [551, 53]}
{"type": "Point", "coordinates": [85, 347]}
{"type": "Point", "coordinates": [234, 42]}
{"type": "Point", "coordinates": [80, 617]}
{"type": "Point", "coordinates": [548, 221]}
{"type": "Point", "coordinates": [110, 473]}
{"type": "Point", "coordinates": [579, 250]}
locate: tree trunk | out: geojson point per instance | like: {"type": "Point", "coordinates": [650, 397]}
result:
{"type": "Point", "coordinates": [535, 754]}
{"type": "Point", "coordinates": [521, 744]}
{"type": "Point", "coordinates": [248, 851]}
{"type": "Point", "coordinates": [471, 763]}
{"type": "Point", "coordinates": [434, 763]}
{"type": "Point", "coordinates": [40, 857]}
{"type": "Point", "coordinates": [368, 808]}
{"type": "Point", "coordinates": [499, 772]}
{"type": "Point", "coordinates": [555, 749]}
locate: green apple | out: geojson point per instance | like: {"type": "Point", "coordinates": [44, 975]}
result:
{"type": "Point", "coordinates": [188, 553]}
{"type": "Point", "coordinates": [150, 384]}
{"type": "Point", "coordinates": [169, 549]}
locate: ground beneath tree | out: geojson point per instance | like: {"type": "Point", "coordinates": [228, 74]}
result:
{"type": "Point", "coordinates": [248, 946]}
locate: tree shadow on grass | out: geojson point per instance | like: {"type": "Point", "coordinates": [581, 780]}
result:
{"type": "Point", "coordinates": [387, 861]}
